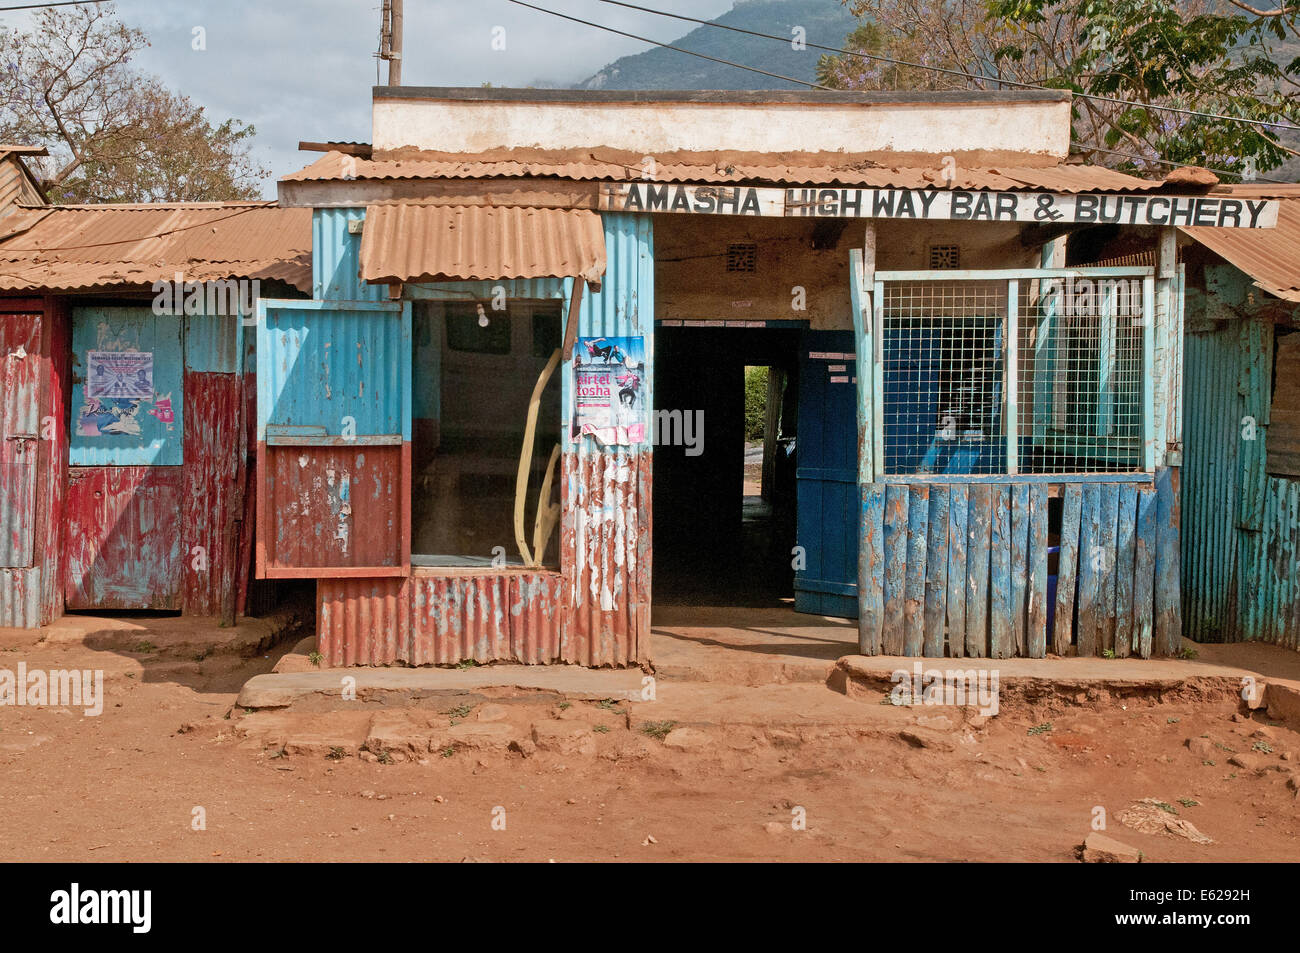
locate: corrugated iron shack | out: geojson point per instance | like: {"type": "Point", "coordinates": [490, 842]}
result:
{"type": "Point", "coordinates": [1241, 467]}
{"type": "Point", "coordinates": [128, 399]}
{"type": "Point", "coordinates": [531, 317]}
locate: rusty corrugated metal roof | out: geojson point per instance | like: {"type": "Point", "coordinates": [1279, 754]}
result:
{"type": "Point", "coordinates": [455, 243]}
{"type": "Point", "coordinates": [864, 171]}
{"type": "Point", "coordinates": [1271, 256]}
{"type": "Point", "coordinates": [80, 247]}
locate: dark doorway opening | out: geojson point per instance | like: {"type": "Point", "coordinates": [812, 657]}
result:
{"type": "Point", "coordinates": [724, 478]}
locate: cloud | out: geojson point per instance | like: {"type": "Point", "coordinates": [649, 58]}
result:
{"type": "Point", "coordinates": [303, 69]}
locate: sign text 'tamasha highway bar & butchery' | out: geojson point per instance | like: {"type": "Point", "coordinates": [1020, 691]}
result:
{"type": "Point", "coordinates": [1217, 211]}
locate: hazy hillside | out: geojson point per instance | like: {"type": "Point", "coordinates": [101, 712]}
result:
{"type": "Point", "coordinates": [824, 21]}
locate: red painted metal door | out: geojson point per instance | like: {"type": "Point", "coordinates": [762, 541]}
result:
{"type": "Point", "coordinates": [124, 538]}
{"type": "Point", "coordinates": [20, 337]}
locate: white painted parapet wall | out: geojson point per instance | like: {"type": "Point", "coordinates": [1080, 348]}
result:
{"type": "Point", "coordinates": [1029, 124]}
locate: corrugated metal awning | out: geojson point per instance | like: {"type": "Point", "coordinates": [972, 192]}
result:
{"type": "Point", "coordinates": [1268, 255]}
{"type": "Point", "coordinates": [413, 243]}
{"type": "Point", "coordinates": [875, 170]}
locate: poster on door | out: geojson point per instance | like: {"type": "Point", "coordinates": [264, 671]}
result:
{"type": "Point", "coordinates": [609, 390]}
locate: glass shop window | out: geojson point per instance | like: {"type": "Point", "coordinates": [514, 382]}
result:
{"type": "Point", "coordinates": [473, 376]}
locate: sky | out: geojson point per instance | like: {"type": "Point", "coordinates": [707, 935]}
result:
{"type": "Point", "coordinates": [303, 69]}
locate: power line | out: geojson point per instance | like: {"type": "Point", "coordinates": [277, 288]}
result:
{"type": "Point", "coordinates": [953, 72]}
{"type": "Point", "coordinates": [669, 46]}
{"type": "Point", "coordinates": [41, 6]}
{"type": "Point", "coordinates": [1181, 165]}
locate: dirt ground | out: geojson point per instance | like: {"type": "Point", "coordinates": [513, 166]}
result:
{"type": "Point", "coordinates": [533, 778]}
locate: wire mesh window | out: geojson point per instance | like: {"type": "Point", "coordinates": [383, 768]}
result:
{"type": "Point", "coordinates": [946, 353]}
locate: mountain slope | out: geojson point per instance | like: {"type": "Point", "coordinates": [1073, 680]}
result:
{"type": "Point", "coordinates": [824, 21]}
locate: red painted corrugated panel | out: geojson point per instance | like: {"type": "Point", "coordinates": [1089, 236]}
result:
{"type": "Point", "coordinates": [124, 537]}
{"type": "Point", "coordinates": [433, 618]}
{"type": "Point", "coordinates": [212, 447]}
{"type": "Point", "coordinates": [56, 386]}
{"type": "Point", "coordinates": [335, 507]}
{"type": "Point", "coordinates": [20, 377]}
{"type": "Point", "coordinates": [605, 554]}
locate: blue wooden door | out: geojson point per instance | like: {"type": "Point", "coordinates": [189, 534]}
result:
{"type": "Point", "coordinates": [827, 476]}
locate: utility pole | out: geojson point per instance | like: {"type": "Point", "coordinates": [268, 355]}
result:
{"type": "Point", "coordinates": [390, 40]}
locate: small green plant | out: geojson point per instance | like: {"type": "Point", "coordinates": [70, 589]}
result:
{"type": "Point", "coordinates": [336, 753]}
{"type": "Point", "coordinates": [144, 647]}
{"type": "Point", "coordinates": [1040, 729]}
{"type": "Point", "coordinates": [600, 729]}
{"type": "Point", "coordinates": [1188, 802]}
{"type": "Point", "coordinates": [315, 658]}
{"type": "Point", "coordinates": [448, 751]}
{"type": "Point", "coordinates": [466, 663]}
{"type": "Point", "coordinates": [1208, 764]}
{"type": "Point", "coordinates": [564, 706]}
{"type": "Point", "coordinates": [658, 729]}
{"type": "Point", "coordinates": [1108, 653]}
{"type": "Point", "coordinates": [460, 711]}
{"type": "Point", "coordinates": [1166, 806]}
{"type": "Point", "coordinates": [1222, 747]}
{"type": "Point", "coordinates": [1188, 654]}
{"type": "Point", "coordinates": [384, 757]}
{"type": "Point", "coordinates": [1263, 746]}
{"type": "Point", "coordinates": [608, 704]}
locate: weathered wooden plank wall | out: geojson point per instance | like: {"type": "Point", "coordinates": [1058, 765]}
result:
{"type": "Point", "coordinates": [963, 570]}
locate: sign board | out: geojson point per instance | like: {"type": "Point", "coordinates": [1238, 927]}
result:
{"type": "Point", "coordinates": [1206, 211]}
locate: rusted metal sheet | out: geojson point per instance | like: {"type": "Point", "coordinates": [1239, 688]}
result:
{"type": "Point", "coordinates": [124, 537]}
{"type": "Point", "coordinates": [867, 170]}
{"type": "Point", "coordinates": [513, 617]}
{"type": "Point", "coordinates": [212, 448]}
{"type": "Point", "coordinates": [333, 508]}
{"type": "Point", "coordinates": [403, 243]}
{"type": "Point", "coordinates": [85, 247]}
{"type": "Point", "coordinates": [20, 380]}
{"type": "Point", "coordinates": [438, 617]}
{"type": "Point", "coordinates": [20, 598]}
{"type": "Point", "coordinates": [56, 390]}
{"type": "Point", "coordinates": [1268, 255]}
{"type": "Point", "coordinates": [605, 556]}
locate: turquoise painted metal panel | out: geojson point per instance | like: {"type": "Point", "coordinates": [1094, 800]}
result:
{"type": "Point", "coordinates": [336, 258]}
{"type": "Point", "coordinates": [530, 289]}
{"type": "Point", "coordinates": [1067, 568]}
{"type": "Point", "coordinates": [624, 305]}
{"type": "Point", "coordinates": [1215, 422]}
{"type": "Point", "coordinates": [213, 343]}
{"type": "Point", "coordinates": [333, 370]}
{"type": "Point", "coordinates": [895, 539]}
{"type": "Point", "coordinates": [127, 380]}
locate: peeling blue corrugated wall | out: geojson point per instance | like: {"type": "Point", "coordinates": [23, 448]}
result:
{"type": "Point", "coordinates": [1240, 528]}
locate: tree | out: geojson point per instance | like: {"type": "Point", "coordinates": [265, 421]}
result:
{"type": "Point", "coordinates": [1199, 56]}
{"type": "Point", "coordinates": [114, 134]}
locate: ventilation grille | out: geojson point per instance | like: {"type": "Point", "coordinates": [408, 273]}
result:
{"type": "Point", "coordinates": [742, 257]}
{"type": "Point", "coordinates": [945, 256]}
